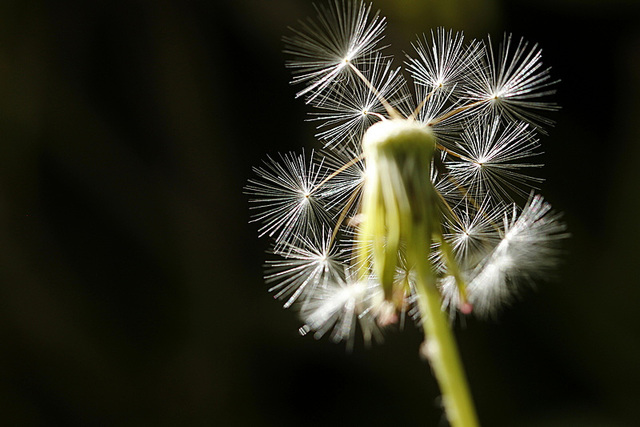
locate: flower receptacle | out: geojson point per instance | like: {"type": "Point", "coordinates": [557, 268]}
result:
{"type": "Point", "coordinates": [399, 207]}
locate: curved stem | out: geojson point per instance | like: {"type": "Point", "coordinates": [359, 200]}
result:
{"type": "Point", "coordinates": [440, 349]}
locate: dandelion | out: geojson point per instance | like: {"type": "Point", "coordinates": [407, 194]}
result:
{"type": "Point", "coordinates": [411, 210]}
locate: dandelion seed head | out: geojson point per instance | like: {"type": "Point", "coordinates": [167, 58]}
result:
{"type": "Point", "coordinates": [409, 186]}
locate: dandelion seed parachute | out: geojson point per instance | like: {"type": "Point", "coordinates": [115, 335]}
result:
{"type": "Point", "coordinates": [286, 200]}
{"type": "Point", "coordinates": [343, 32]}
{"type": "Point", "coordinates": [342, 305]}
{"type": "Point", "coordinates": [492, 157]}
{"type": "Point", "coordinates": [472, 231]}
{"type": "Point", "coordinates": [434, 105]}
{"type": "Point", "coordinates": [527, 250]}
{"type": "Point", "coordinates": [351, 107]}
{"type": "Point", "coordinates": [302, 267]}
{"type": "Point", "coordinates": [443, 62]}
{"type": "Point", "coordinates": [512, 82]}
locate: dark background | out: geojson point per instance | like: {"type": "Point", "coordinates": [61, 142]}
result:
{"type": "Point", "coordinates": [131, 287]}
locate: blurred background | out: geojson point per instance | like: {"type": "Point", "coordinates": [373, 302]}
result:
{"type": "Point", "coordinates": [131, 288]}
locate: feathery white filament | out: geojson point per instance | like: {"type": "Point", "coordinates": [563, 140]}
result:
{"type": "Point", "coordinates": [492, 157]}
{"type": "Point", "coordinates": [285, 199]}
{"type": "Point", "coordinates": [310, 263]}
{"type": "Point", "coordinates": [474, 231]}
{"type": "Point", "coordinates": [511, 83]}
{"type": "Point", "coordinates": [343, 190]}
{"type": "Point", "coordinates": [351, 107]}
{"type": "Point", "coordinates": [340, 306]}
{"type": "Point", "coordinates": [528, 249]}
{"type": "Point", "coordinates": [445, 61]}
{"type": "Point", "coordinates": [344, 32]}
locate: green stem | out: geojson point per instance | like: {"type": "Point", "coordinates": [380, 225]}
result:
{"type": "Point", "coordinates": [442, 353]}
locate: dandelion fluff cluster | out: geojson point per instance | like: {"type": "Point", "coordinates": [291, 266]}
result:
{"type": "Point", "coordinates": [433, 196]}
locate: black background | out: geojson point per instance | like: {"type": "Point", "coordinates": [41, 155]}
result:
{"type": "Point", "coordinates": [131, 287]}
